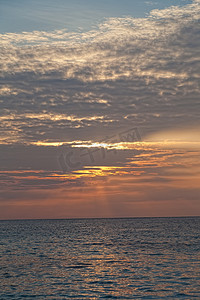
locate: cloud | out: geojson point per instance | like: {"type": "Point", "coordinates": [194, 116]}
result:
{"type": "Point", "coordinates": [143, 71]}
{"type": "Point", "coordinates": [119, 48]}
{"type": "Point", "coordinates": [79, 89]}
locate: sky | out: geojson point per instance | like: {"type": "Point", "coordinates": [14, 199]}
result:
{"type": "Point", "coordinates": [99, 109]}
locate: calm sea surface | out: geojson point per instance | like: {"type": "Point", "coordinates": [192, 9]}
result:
{"type": "Point", "coordinates": [138, 258]}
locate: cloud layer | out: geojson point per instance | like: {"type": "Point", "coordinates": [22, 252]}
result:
{"type": "Point", "coordinates": [141, 71]}
{"type": "Point", "coordinates": [79, 88]}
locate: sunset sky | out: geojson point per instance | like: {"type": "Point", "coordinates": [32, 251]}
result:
{"type": "Point", "coordinates": [99, 108]}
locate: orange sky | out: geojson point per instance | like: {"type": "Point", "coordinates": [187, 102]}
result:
{"type": "Point", "coordinates": [157, 181]}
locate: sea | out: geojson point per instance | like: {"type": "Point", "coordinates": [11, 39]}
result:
{"type": "Point", "coordinates": [127, 258]}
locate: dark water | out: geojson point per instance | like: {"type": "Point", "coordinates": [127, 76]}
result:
{"type": "Point", "coordinates": [145, 258]}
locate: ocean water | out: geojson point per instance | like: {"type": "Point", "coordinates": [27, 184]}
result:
{"type": "Point", "coordinates": [136, 258]}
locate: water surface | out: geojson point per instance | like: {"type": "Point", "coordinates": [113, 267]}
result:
{"type": "Point", "coordinates": [138, 258]}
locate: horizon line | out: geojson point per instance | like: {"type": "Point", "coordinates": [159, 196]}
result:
{"type": "Point", "coordinates": [99, 218]}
